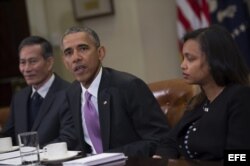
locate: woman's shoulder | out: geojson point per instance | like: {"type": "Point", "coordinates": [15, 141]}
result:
{"type": "Point", "coordinates": [235, 89]}
{"type": "Point", "coordinates": [237, 94]}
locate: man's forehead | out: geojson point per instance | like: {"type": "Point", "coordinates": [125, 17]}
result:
{"type": "Point", "coordinates": [29, 57]}
{"type": "Point", "coordinates": [74, 40]}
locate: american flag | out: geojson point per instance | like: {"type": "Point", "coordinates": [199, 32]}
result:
{"type": "Point", "coordinates": [192, 14]}
{"type": "Point", "coordinates": [232, 14]}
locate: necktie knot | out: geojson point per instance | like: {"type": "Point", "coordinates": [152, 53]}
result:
{"type": "Point", "coordinates": [87, 96]}
{"type": "Point", "coordinates": [36, 96]}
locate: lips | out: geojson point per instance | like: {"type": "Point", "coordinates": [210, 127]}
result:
{"type": "Point", "coordinates": [185, 75]}
{"type": "Point", "coordinates": [79, 69]}
{"type": "Point", "coordinates": [28, 77]}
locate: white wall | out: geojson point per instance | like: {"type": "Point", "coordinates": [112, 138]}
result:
{"type": "Point", "coordinates": [121, 36]}
{"type": "Point", "coordinates": [157, 20]}
{"type": "Point", "coordinates": [140, 38]}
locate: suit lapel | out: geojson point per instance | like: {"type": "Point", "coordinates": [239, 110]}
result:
{"type": "Point", "coordinates": [75, 106]}
{"type": "Point", "coordinates": [104, 117]}
{"type": "Point", "coordinates": [48, 100]}
{"type": "Point", "coordinates": [190, 117]}
{"type": "Point", "coordinates": [23, 115]}
{"type": "Point", "coordinates": [104, 108]}
{"type": "Point", "coordinates": [75, 98]}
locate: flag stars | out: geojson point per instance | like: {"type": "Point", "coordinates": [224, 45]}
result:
{"type": "Point", "coordinates": [243, 27]}
{"type": "Point", "coordinates": [238, 30]}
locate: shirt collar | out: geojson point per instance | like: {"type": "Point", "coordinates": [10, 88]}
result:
{"type": "Point", "coordinates": [94, 86]}
{"type": "Point", "coordinates": [43, 90]}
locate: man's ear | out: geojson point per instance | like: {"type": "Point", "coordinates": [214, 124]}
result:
{"type": "Point", "coordinates": [101, 52]}
{"type": "Point", "coordinates": [50, 62]}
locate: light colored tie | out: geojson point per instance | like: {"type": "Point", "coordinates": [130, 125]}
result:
{"type": "Point", "coordinates": [92, 123]}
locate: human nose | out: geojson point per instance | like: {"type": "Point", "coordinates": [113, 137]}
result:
{"type": "Point", "coordinates": [76, 56]}
{"type": "Point", "coordinates": [183, 64]}
{"type": "Point", "coordinates": [26, 67]}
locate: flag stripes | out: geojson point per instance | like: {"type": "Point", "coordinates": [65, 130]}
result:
{"type": "Point", "coordinates": [192, 14]}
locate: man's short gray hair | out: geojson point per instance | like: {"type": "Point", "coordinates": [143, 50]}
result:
{"type": "Point", "coordinates": [75, 29]}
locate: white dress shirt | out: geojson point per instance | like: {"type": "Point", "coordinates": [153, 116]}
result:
{"type": "Point", "coordinates": [43, 90]}
{"type": "Point", "coordinates": [93, 90]}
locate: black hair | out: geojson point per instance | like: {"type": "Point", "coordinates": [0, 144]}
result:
{"type": "Point", "coordinates": [47, 50]}
{"type": "Point", "coordinates": [91, 32]}
{"type": "Point", "coordinates": [222, 54]}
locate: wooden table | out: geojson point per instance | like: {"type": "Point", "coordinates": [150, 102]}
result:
{"type": "Point", "coordinates": [156, 162]}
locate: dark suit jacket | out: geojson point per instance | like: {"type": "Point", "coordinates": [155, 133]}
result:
{"type": "Point", "coordinates": [130, 118]}
{"type": "Point", "coordinates": [53, 122]}
{"type": "Point", "coordinates": [224, 126]}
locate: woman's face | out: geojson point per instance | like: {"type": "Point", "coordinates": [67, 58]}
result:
{"type": "Point", "coordinates": [194, 66]}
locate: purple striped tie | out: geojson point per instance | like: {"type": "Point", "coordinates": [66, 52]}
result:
{"type": "Point", "coordinates": [92, 123]}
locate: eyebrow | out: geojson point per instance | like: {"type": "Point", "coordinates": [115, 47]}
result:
{"type": "Point", "coordinates": [28, 58]}
{"type": "Point", "coordinates": [67, 49]}
{"type": "Point", "coordinates": [80, 45]}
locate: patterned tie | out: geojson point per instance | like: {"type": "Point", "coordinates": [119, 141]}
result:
{"type": "Point", "coordinates": [92, 123]}
{"type": "Point", "coordinates": [35, 104]}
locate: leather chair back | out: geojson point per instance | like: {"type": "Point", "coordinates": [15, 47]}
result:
{"type": "Point", "coordinates": [4, 113]}
{"type": "Point", "coordinates": [173, 96]}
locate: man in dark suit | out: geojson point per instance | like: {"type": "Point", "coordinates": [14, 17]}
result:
{"type": "Point", "coordinates": [46, 113]}
{"type": "Point", "coordinates": [129, 119]}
